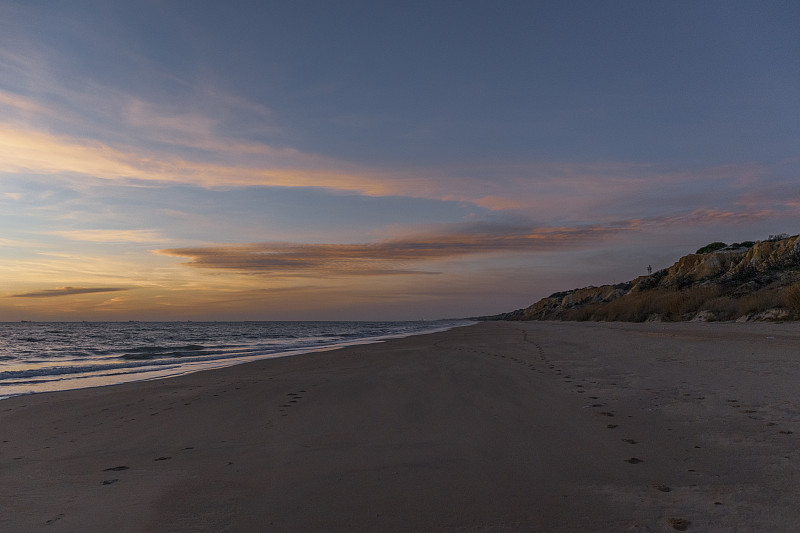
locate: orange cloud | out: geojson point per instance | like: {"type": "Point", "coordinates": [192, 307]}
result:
{"type": "Point", "coordinates": [27, 150]}
{"type": "Point", "coordinates": [554, 189]}
{"type": "Point", "coordinates": [66, 291]}
{"type": "Point", "coordinates": [700, 217]}
{"type": "Point", "coordinates": [499, 203]}
{"type": "Point", "coordinates": [20, 103]}
{"type": "Point", "coordinates": [381, 258]}
{"type": "Point", "coordinates": [406, 255]}
{"type": "Point", "coordinates": [111, 236]}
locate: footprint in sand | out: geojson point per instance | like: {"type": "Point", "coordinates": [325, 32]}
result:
{"type": "Point", "coordinates": [612, 426]}
{"type": "Point", "coordinates": [110, 481]}
{"type": "Point", "coordinates": [58, 517]}
{"type": "Point", "coordinates": [629, 441]}
{"type": "Point", "coordinates": [681, 524]}
{"type": "Point", "coordinates": [295, 396]}
{"type": "Point", "coordinates": [662, 488]}
{"type": "Point", "coordinates": [116, 469]}
{"type": "Point", "coordinates": [162, 458]}
{"type": "Point", "coordinates": [633, 460]}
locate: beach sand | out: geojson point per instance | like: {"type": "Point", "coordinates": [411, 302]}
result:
{"type": "Point", "coordinates": [501, 426]}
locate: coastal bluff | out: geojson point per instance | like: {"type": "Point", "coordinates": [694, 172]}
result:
{"type": "Point", "coordinates": [748, 281]}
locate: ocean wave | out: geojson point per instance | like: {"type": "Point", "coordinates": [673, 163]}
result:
{"type": "Point", "coordinates": [88, 375]}
{"type": "Point", "coordinates": [155, 352]}
{"type": "Point", "coordinates": [115, 350]}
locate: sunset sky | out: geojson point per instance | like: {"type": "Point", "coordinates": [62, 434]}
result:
{"type": "Point", "coordinates": [380, 160]}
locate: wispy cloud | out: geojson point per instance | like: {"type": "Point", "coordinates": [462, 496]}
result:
{"type": "Point", "coordinates": [700, 217]}
{"type": "Point", "coordinates": [17, 103]}
{"type": "Point", "coordinates": [703, 217]}
{"type": "Point", "coordinates": [13, 242]}
{"type": "Point", "coordinates": [195, 146]}
{"type": "Point", "coordinates": [409, 255]}
{"type": "Point", "coordinates": [112, 236]}
{"type": "Point", "coordinates": [382, 258]}
{"type": "Point", "coordinates": [204, 129]}
{"type": "Point", "coordinates": [67, 291]}
{"type": "Point", "coordinates": [551, 189]}
{"type": "Point", "coordinates": [40, 152]}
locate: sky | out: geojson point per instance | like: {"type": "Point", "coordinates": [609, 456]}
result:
{"type": "Point", "coordinates": [375, 160]}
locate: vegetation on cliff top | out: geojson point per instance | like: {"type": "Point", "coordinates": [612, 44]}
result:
{"type": "Point", "coordinates": [742, 281]}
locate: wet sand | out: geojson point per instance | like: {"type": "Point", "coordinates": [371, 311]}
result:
{"type": "Point", "coordinates": [536, 426]}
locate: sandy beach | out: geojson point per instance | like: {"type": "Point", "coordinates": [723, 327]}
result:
{"type": "Point", "coordinates": [501, 426]}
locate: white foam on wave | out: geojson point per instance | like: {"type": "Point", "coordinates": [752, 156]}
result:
{"type": "Point", "coordinates": [101, 365]}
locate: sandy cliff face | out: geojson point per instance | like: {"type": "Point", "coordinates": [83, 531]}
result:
{"type": "Point", "coordinates": [746, 283]}
{"type": "Point", "coordinates": [771, 255]}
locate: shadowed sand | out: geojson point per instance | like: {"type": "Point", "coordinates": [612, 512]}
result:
{"type": "Point", "coordinates": [494, 427]}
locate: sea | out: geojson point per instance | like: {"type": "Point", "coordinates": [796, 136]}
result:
{"type": "Point", "coordinates": [52, 356]}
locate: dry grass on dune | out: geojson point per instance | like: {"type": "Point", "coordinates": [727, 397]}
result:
{"type": "Point", "coordinates": [687, 303]}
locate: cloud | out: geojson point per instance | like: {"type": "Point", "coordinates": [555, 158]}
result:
{"type": "Point", "coordinates": [111, 236]}
{"type": "Point", "coordinates": [66, 291]}
{"type": "Point", "coordinates": [167, 145]}
{"type": "Point", "coordinates": [200, 146]}
{"type": "Point", "coordinates": [202, 129]}
{"type": "Point", "coordinates": [389, 257]}
{"type": "Point", "coordinates": [34, 151]}
{"type": "Point", "coordinates": [15, 102]}
{"type": "Point", "coordinates": [702, 217]}
{"type": "Point", "coordinates": [408, 255]}
{"type": "Point", "coordinates": [216, 162]}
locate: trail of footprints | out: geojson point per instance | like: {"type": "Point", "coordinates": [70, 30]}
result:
{"type": "Point", "coordinates": [679, 524]}
{"type": "Point", "coordinates": [292, 399]}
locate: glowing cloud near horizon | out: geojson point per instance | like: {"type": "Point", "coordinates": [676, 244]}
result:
{"type": "Point", "coordinates": [67, 291]}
